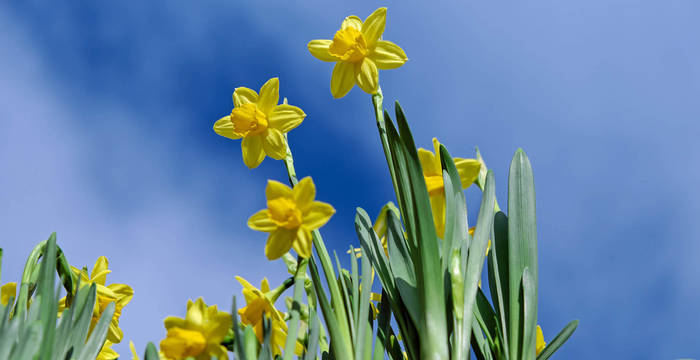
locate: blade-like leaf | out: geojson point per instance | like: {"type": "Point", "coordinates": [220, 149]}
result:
{"type": "Point", "coordinates": [558, 340]}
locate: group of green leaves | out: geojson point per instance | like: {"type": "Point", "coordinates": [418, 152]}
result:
{"type": "Point", "coordinates": [31, 329]}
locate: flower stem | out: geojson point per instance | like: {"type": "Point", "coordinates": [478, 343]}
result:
{"type": "Point", "coordinates": [299, 278]}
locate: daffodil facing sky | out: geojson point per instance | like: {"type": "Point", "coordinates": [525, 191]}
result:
{"type": "Point", "coordinates": [468, 170]}
{"type": "Point", "coordinates": [359, 52]}
{"type": "Point", "coordinates": [260, 122]}
{"type": "Point", "coordinates": [290, 217]}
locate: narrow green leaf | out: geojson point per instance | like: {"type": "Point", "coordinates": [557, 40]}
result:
{"type": "Point", "coordinates": [46, 292]}
{"type": "Point", "coordinates": [402, 267]}
{"type": "Point", "coordinates": [528, 295]}
{"type": "Point", "coordinates": [266, 350]}
{"type": "Point", "coordinates": [363, 297]}
{"type": "Point", "coordinates": [558, 340]}
{"type": "Point", "coordinates": [340, 343]}
{"type": "Point", "coordinates": [240, 352]}
{"type": "Point", "coordinates": [99, 333]}
{"type": "Point", "coordinates": [522, 249]}
{"type": "Point", "coordinates": [293, 325]}
{"type": "Point", "coordinates": [498, 274]}
{"type": "Point", "coordinates": [151, 352]}
{"type": "Point", "coordinates": [314, 333]}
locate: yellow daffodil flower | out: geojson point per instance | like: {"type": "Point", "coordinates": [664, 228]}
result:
{"type": "Point", "coordinates": [540, 344]}
{"type": "Point", "coordinates": [8, 291]}
{"type": "Point", "coordinates": [107, 353]}
{"type": "Point", "coordinates": [262, 301]}
{"type": "Point", "coordinates": [198, 335]}
{"type": "Point", "coordinates": [468, 170]}
{"type": "Point", "coordinates": [290, 217]}
{"type": "Point", "coordinates": [359, 53]}
{"type": "Point", "coordinates": [120, 294]}
{"type": "Point", "coordinates": [261, 122]}
{"type": "Point", "coordinates": [134, 354]}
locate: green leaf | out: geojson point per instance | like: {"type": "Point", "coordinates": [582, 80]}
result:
{"type": "Point", "coordinates": [528, 295]}
{"type": "Point", "coordinates": [293, 325]}
{"type": "Point", "coordinates": [151, 352]}
{"type": "Point", "coordinates": [46, 292]}
{"type": "Point", "coordinates": [99, 333]}
{"type": "Point", "coordinates": [240, 352]}
{"type": "Point", "coordinates": [498, 274]}
{"type": "Point", "coordinates": [363, 323]}
{"type": "Point", "coordinates": [338, 342]}
{"type": "Point", "coordinates": [522, 251]}
{"type": "Point", "coordinates": [314, 333]}
{"type": "Point", "coordinates": [558, 340]}
{"type": "Point", "coordinates": [402, 268]}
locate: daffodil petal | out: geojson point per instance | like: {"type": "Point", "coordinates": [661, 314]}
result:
{"type": "Point", "coordinates": [245, 283]}
{"type": "Point", "coordinates": [367, 76]}
{"type": "Point", "coordinates": [252, 148]}
{"type": "Point", "coordinates": [124, 293]}
{"type": "Point", "coordinates": [100, 270]}
{"type": "Point", "coordinates": [303, 242]}
{"type": "Point", "coordinates": [173, 321]}
{"type": "Point", "coordinates": [427, 162]}
{"type": "Point", "coordinates": [342, 79]}
{"type": "Point", "coordinates": [269, 95]}
{"type": "Point", "coordinates": [318, 215]}
{"type": "Point", "coordinates": [304, 193]}
{"type": "Point", "coordinates": [195, 312]}
{"type": "Point", "coordinates": [279, 242]}
{"type": "Point", "coordinates": [244, 95]}
{"type": "Point", "coordinates": [265, 285]}
{"type": "Point", "coordinates": [224, 127]}
{"type": "Point", "coordinates": [319, 49]}
{"type": "Point", "coordinates": [353, 21]}
{"type": "Point", "coordinates": [276, 189]}
{"type": "Point", "coordinates": [388, 55]}
{"type": "Point", "coordinates": [261, 221]}
{"type": "Point", "coordinates": [373, 27]}
{"type": "Point", "coordinates": [285, 117]}
{"type": "Point", "coordinates": [274, 144]}
{"type": "Point", "coordinates": [437, 203]}
{"type": "Point", "coordinates": [114, 334]}
{"type": "Point", "coordinates": [468, 170]}
{"type": "Point", "coordinates": [540, 344]}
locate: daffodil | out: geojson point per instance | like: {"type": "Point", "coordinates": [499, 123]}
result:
{"type": "Point", "coordinates": [107, 353]}
{"type": "Point", "coordinates": [262, 301]}
{"type": "Point", "coordinates": [120, 294]}
{"type": "Point", "coordinates": [198, 335]}
{"type": "Point", "coordinates": [260, 122]}
{"type": "Point", "coordinates": [359, 52]}
{"type": "Point", "coordinates": [540, 344]}
{"type": "Point", "coordinates": [468, 170]}
{"type": "Point", "coordinates": [8, 291]}
{"type": "Point", "coordinates": [290, 217]}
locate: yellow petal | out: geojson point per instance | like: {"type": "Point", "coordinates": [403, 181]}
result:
{"type": "Point", "coordinates": [388, 55]}
{"type": "Point", "coordinates": [427, 162]}
{"type": "Point", "coordinates": [342, 79]}
{"type": "Point", "coordinates": [261, 221]}
{"type": "Point", "coordinates": [269, 95]}
{"type": "Point", "coordinates": [224, 127]}
{"type": "Point", "coordinates": [303, 242]}
{"type": "Point", "coordinates": [304, 193]}
{"type": "Point", "coordinates": [540, 344]}
{"type": "Point", "coordinates": [373, 27]}
{"type": "Point", "coordinates": [319, 49]}
{"type": "Point", "coordinates": [134, 354]}
{"type": "Point", "coordinates": [318, 215]}
{"type": "Point", "coordinates": [437, 203]}
{"type": "Point", "coordinates": [276, 189]}
{"type": "Point", "coordinates": [265, 285]}
{"type": "Point", "coordinates": [173, 321]}
{"type": "Point", "coordinates": [353, 21]}
{"type": "Point", "coordinates": [252, 148]}
{"type": "Point", "coordinates": [244, 95]}
{"type": "Point", "coordinates": [114, 334]}
{"type": "Point", "coordinates": [274, 144]}
{"type": "Point", "coordinates": [195, 312]}
{"type": "Point", "coordinates": [279, 242]}
{"type": "Point", "coordinates": [8, 291]}
{"type": "Point", "coordinates": [367, 76]}
{"type": "Point", "coordinates": [124, 293]}
{"type": "Point", "coordinates": [468, 170]}
{"type": "Point", "coordinates": [285, 117]}
{"type": "Point", "coordinates": [100, 270]}
{"type": "Point", "coordinates": [436, 146]}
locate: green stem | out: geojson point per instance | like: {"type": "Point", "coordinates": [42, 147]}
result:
{"type": "Point", "coordinates": [378, 102]}
{"type": "Point", "coordinates": [277, 292]}
{"type": "Point", "coordinates": [299, 277]}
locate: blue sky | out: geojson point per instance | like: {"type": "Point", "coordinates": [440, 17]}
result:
{"type": "Point", "coordinates": [105, 137]}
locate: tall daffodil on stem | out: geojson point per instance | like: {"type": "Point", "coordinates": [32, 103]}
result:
{"type": "Point", "coordinates": [198, 335]}
{"type": "Point", "coordinates": [359, 52]}
{"type": "Point", "coordinates": [432, 172]}
{"type": "Point", "coordinates": [260, 122]}
{"type": "Point", "coordinates": [290, 217]}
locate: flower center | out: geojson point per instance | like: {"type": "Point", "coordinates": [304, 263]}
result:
{"type": "Point", "coordinates": [285, 213]}
{"type": "Point", "coordinates": [435, 184]}
{"type": "Point", "coordinates": [248, 120]}
{"type": "Point", "coordinates": [348, 45]}
{"type": "Point", "coordinates": [182, 343]}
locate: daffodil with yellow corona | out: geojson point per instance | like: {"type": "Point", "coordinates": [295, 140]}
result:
{"type": "Point", "coordinates": [290, 217]}
{"type": "Point", "coordinates": [468, 170]}
{"type": "Point", "coordinates": [359, 53]}
{"type": "Point", "coordinates": [262, 301]}
{"type": "Point", "coordinates": [120, 294]}
{"type": "Point", "coordinates": [198, 335]}
{"type": "Point", "coordinates": [260, 122]}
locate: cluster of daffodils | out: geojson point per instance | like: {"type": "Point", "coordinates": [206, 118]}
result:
{"type": "Point", "coordinates": [422, 250]}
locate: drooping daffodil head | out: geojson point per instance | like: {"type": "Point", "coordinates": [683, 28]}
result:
{"type": "Point", "coordinates": [260, 122]}
{"type": "Point", "coordinates": [290, 217]}
{"type": "Point", "coordinates": [198, 335]}
{"type": "Point", "coordinates": [119, 294]}
{"type": "Point", "coordinates": [468, 170]}
{"type": "Point", "coordinates": [359, 52]}
{"type": "Point", "coordinates": [261, 303]}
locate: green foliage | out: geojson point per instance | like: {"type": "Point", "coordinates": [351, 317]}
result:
{"type": "Point", "coordinates": [33, 330]}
